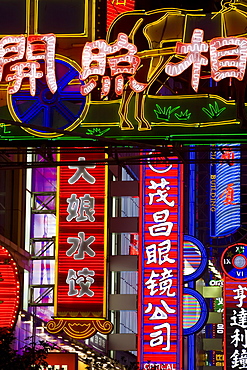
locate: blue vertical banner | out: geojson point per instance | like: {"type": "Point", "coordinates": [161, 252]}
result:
{"type": "Point", "coordinates": [224, 189]}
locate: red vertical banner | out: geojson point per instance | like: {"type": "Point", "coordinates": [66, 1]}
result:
{"type": "Point", "coordinates": [234, 263]}
{"type": "Point", "coordinates": [161, 268]}
{"type": "Point", "coordinates": [80, 303]}
{"type": "Point", "coordinates": [9, 289]}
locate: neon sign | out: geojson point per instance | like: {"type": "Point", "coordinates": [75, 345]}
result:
{"type": "Point", "coordinates": [228, 57]}
{"type": "Point", "coordinates": [111, 70]}
{"type": "Point", "coordinates": [94, 58]}
{"type": "Point", "coordinates": [61, 361]}
{"type": "Point", "coordinates": [224, 190]}
{"type": "Point", "coordinates": [234, 262]}
{"type": "Point", "coordinates": [37, 47]}
{"type": "Point", "coordinates": [81, 256]}
{"type": "Point", "coordinates": [160, 296]}
{"type": "Point", "coordinates": [9, 289]}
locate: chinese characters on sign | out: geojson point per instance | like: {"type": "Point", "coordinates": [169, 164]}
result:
{"type": "Point", "coordinates": [234, 262]}
{"type": "Point", "coordinates": [37, 47]}
{"type": "Point", "coordinates": [81, 256]}
{"type": "Point", "coordinates": [94, 61]}
{"type": "Point", "coordinates": [160, 319]}
{"type": "Point", "coordinates": [236, 318]}
{"type": "Point", "coordinates": [228, 56]}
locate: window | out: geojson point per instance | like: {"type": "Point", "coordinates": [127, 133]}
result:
{"type": "Point", "coordinates": [13, 17]}
{"type": "Point", "coordinates": [61, 16]}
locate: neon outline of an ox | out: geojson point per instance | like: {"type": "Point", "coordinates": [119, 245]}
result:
{"type": "Point", "coordinates": [155, 34]}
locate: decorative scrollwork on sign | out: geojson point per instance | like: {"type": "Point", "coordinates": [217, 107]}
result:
{"type": "Point", "coordinates": [55, 326]}
{"type": "Point", "coordinates": [79, 329]}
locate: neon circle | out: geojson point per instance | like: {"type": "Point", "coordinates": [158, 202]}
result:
{"type": "Point", "coordinates": [195, 311]}
{"type": "Point", "coordinates": [239, 261]}
{"type": "Point", "coordinates": [195, 258]}
{"type": "Point", "coordinates": [63, 110]}
{"type": "Point", "coordinates": [234, 261]}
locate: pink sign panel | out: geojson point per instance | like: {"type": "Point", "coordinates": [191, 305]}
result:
{"type": "Point", "coordinates": [160, 294]}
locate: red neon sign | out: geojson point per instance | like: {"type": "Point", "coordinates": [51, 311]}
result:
{"type": "Point", "coordinates": [116, 7]}
{"type": "Point", "coordinates": [9, 289]}
{"type": "Point", "coordinates": [62, 361]}
{"type": "Point", "coordinates": [234, 262]}
{"type": "Point", "coordinates": [81, 257]}
{"type": "Point", "coordinates": [160, 296]}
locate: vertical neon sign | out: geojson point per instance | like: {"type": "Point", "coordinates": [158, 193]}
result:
{"type": "Point", "coordinates": [234, 263]}
{"type": "Point", "coordinates": [160, 293]}
{"type": "Point", "coordinates": [224, 190]}
{"type": "Point", "coordinates": [81, 259]}
{"type": "Point", "coordinates": [9, 289]}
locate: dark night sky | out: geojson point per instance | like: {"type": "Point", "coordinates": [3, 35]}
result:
{"type": "Point", "coordinates": [206, 5]}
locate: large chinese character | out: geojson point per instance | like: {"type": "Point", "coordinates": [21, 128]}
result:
{"type": "Point", "coordinates": [158, 337]}
{"type": "Point", "coordinates": [162, 227]}
{"type": "Point", "coordinates": [165, 283]}
{"type": "Point", "coordinates": [83, 279]}
{"type": "Point", "coordinates": [228, 156]}
{"type": "Point", "coordinates": [82, 209]}
{"type": "Point", "coordinates": [239, 360]}
{"type": "Point", "coordinates": [94, 61]}
{"type": "Point", "coordinates": [81, 246]}
{"type": "Point", "coordinates": [162, 194]}
{"type": "Point", "coordinates": [159, 254]}
{"type": "Point", "coordinates": [38, 47]}
{"type": "Point", "coordinates": [81, 172]}
{"type": "Point", "coordinates": [228, 193]}
{"type": "Point", "coordinates": [238, 338]}
{"type": "Point", "coordinates": [194, 58]}
{"type": "Point", "coordinates": [228, 57]}
{"type": "Point", "coordinates": [239, 318]}
{"type": "Point", "coordinates": [240, 295]}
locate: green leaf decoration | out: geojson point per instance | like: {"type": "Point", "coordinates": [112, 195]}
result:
{"type": "Point", "coordinates": [183, 116]}
{"type": "Point", "coordinates": [97, 131]}
{"type": "Point", "coordinates": [213, 111]}
{"type": "Point", "coordinates": [165, 113]}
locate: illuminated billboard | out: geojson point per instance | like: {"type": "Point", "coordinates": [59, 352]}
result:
{"type": "Point", "coordinates": [234, 262]}
{"type": "Point", "coordinates": [9, 289]}
{"type": "Point", "coordinates": [161, 267]}
{"type": "Point", "coordinates": [80, 307]}
{"type": "Point", "coordinates": [160, 74]}
{"type": "Point", "coordinates": [62, 361]}
{"type": "Point", "coordinates": [224, 189]}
